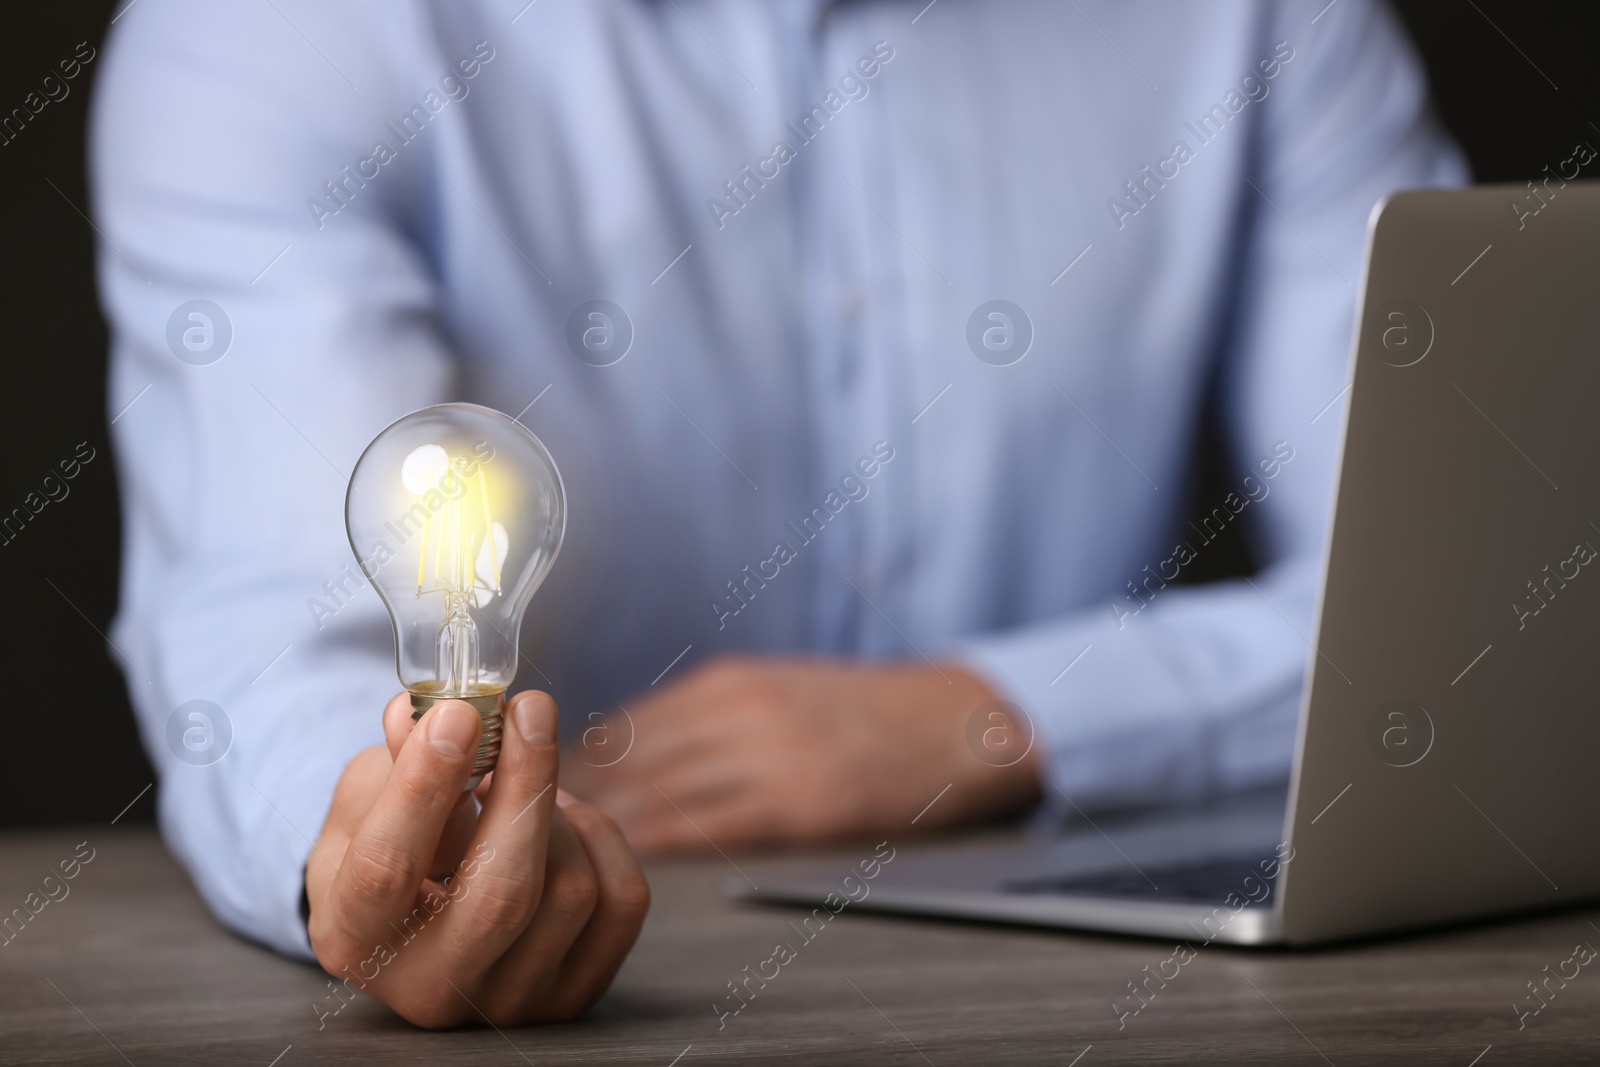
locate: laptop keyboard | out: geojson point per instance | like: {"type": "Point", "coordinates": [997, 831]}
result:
{"type": "Point", "coordinates": [1204, 882]}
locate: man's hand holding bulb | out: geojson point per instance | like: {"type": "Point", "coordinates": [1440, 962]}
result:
{"type": "Point", "coordinates": [517, 913]}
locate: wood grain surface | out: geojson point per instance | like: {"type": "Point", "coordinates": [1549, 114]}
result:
{"type": "Point", "coordinates": [129, 967]}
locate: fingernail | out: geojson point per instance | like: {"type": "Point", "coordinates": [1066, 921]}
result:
{"type": "Point", "coordinates": [563, 798]}
{"type": "Point", "coordinates": [535, 716]}
{"type": "Point", "coordinates": [452, 727]}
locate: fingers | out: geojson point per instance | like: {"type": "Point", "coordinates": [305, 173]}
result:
{"type": "Point", "coordinates": [511, 838]}
{"type": "Point", "coordinates": [454, 838]}
{"type": "Point", "coordinates": [594, 905]}
{"type": "Point", "coordinates": [663, 729]}
{"type": "Point", "coordinates": [719, 707]}
{"type": "Point", "coordinates": [397, 726]}
{"type": "Point", "coordinates": [663, 814]}
{"type": "Point", "coordinates": [700, 758]}
{"type": "Point", "coordinates": [538, 920]}
{"type": "Point", "coordinates": [530, 976]}
{"type": "Point", "coordinates": [623, 900]}
{"type": "Point", "coordinates": [358, 787]}
{"type": "Point", "coordinates": [735, 819]}
{"type": "Point", "coordinates": [666, 738]}
{"type": "Point", "coordinates": [397, 723]}
{"type": "Point", "coordinates": [395, 844]}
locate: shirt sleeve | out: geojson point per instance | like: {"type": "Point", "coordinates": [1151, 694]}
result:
{"type": "Point", "coordinates": [1198, 691]}
{"type": "Point", "coordinates": [214, 126]}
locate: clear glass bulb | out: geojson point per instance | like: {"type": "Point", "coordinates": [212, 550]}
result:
{"type": "Point", "coordinates": [456, 513]}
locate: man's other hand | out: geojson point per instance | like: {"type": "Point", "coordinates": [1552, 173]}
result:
{"type": "Point", "coordinates": [762, 751]}
{"type": "Point", "coordinates": [517, 913]}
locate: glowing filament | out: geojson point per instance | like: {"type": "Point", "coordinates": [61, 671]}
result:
{"type": "Point", "coordinates": [462, 545]}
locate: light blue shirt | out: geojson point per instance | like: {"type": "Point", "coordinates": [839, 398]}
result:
{"type": "Point", "coordinates": [803, 212]}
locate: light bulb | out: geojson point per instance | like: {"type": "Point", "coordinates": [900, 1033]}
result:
{"type": "Point", "coordinates": [456, 513]}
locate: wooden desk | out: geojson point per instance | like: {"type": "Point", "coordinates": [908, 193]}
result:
{"type": "Point", "coordinates": [131, 958]}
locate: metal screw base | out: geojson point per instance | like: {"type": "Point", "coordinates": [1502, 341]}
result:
{"type": "Point", "coordinates": [491, 707]}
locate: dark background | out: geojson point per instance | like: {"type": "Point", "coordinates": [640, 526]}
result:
{"type": "Point", "coordinates": [70, 752]}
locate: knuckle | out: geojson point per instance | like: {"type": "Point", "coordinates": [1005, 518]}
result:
{"type": "Point", "coordinates": [625, 891]}
{"type": "Point", "coordinates": [504, 902]}
{"type": "Point", "coordinates": [589, 819]}
{"type": "Point", "coordinates": [572, 890]}
{"type": "Point", "coordinates": [374, 874]}
{"type": "Point", "coordinates": [332, 946]}
{"type": "Point", "coordinates": [420, 781]}
{"type": "Point", "coordinates": [629, 895]}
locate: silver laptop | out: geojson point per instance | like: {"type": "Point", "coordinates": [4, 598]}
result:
{"type": "Point", "coordinates": [1448, 763]}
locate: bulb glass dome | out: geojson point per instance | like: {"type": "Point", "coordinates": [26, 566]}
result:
{"type": "Point", "coordinates": [456, 513]}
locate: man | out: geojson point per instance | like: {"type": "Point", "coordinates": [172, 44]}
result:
{"type": "Point", "coordinates": [871, 339]}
